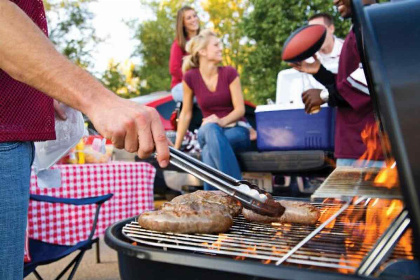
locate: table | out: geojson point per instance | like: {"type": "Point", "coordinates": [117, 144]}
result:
{"type": "Point", "coordinates": [130, 182]}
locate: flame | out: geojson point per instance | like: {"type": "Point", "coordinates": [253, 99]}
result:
{"type": "Point", "coordinates": [247, 251]}
{"type": "Point", "coordinates": [373, 148]}
{"type": "Point", "coordinates": [388, 176]}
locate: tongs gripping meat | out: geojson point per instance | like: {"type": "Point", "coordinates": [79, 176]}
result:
{"type": "Point", "coordinates": [248, 194]}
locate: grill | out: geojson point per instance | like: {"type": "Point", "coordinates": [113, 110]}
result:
{"type": "Point", "coordinates": [349, 242]}
{"type": "Point", "coordinates": [320, 246]}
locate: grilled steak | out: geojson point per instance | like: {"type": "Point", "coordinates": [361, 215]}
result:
{"type": "Point", "coordinates": [234, 206]}
{"type": "Point", "coordinates": [297, 212]}
{"type": "Point", "coordinates": [187, 221]}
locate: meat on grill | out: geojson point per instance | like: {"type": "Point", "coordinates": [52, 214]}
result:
{"type": "Point", "coordinates": [198, 212]}
{"type": "Point", "coordinates": [297, 212]}
{"type": "Point", "coordinates": [186, 221]}
{"type": "Point", "coordinates": [234, 206]}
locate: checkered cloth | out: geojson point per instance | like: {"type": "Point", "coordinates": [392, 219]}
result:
{"type": "Point", "coordinates": [132, 186]}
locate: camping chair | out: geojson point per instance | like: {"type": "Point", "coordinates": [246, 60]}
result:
{"type": "Point", "coordinates": [43, 253]}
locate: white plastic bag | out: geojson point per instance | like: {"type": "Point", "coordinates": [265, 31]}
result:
{"type": "Point", "coordinates": [68, 133]}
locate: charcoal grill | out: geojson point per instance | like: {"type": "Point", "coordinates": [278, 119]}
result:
{"type": "Point", "coordinates": [332, 249]}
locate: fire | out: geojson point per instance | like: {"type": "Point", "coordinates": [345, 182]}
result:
{"type": "Point", "coordinates": [247, 251]}
{"type": "Point", "coordinates": [362, 227]}
{"type": "Point", "coordinates": [388, 176]}
{"type": "Point", "coordinates": [373, 148]}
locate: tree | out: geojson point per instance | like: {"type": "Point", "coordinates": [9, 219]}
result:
{"type": "Point", "coordinates": [72, 32]}
{"type": "Point", "coordinates": [121, 79]}
{"type": "Point", "coordinates": [266, 28]}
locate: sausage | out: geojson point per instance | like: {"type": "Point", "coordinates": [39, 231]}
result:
{"type": "Point", "coordinates": [233, 205]}
{"type": "Point", "coordinates": [297, 212]}
{"type": "Point", "coordinates": [186, 221]}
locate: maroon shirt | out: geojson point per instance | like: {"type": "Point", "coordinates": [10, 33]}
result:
{"type": "Point", "coordinates": [218, 102]}
{"type": "Point", "coordinates": [352, 120]}
{"type": "Point", "coordinates": [26, 114]}
{"type": "Point", "coordinates": [175, 63]}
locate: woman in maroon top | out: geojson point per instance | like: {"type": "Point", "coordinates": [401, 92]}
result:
{"type": "Point", "coordinates": [187, 26]}
{"type": "Point", "coordinates": [219, 95]}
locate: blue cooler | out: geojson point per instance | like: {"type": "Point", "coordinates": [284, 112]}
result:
{"type": "Point", "coordinates": [282, 129]}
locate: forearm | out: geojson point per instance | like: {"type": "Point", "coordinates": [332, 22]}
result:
{"type": "Point", "coordinates": [28, 56]}
{"type": "Point", "coordinates": [324, 76]}
{"type": "Point", "coordinates": [183, 123]}
{"type": "Point", "coordinates": [233, 116]}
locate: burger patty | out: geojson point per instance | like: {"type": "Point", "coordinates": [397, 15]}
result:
{"type": "Point", "coordinates": [186, 221]}
{"type": "Point", "coordinates": [297, 212]}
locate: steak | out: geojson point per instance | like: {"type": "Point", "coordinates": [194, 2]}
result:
{"type": "Point", "coordinates": [297, 212]}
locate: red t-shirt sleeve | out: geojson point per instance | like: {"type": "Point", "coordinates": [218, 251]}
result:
{"type": "Point", "coordinates": [175, 61]}
{"type": "Point", "coordinates": [231, 74]}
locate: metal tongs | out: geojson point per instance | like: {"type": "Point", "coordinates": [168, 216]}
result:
{"type": "Point", "coordinates": [263, 203]}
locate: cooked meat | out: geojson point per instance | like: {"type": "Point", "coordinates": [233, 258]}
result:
{"type": "Point", "coordinates": [233, 205]}
{"type": "Point", "coordinates": [297, 212]}
{"type": "Point", "coordinates": [194, 206]}
{"type": "Point", "coordinates": [186, 221]}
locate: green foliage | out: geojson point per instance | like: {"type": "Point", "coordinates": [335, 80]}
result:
{"type": "Point", "coordinates": [267, 27]}
{"type": "Point", "coordinates": [72, 31]}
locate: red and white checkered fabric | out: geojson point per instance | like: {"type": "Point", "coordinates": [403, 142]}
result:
{"type": "Point", "coordinates": [130, 182]}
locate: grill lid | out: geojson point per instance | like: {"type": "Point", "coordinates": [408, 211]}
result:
{"type": "Point", "coordinates": [391, 61]}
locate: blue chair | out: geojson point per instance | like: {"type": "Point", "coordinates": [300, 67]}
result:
{"type": "Point", "coordinates": [43, 253]}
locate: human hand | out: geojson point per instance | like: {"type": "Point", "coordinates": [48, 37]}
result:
{"type": "Point", "coordinates": [131, 126]}
{"type": "Point", "coordinates": [311, 98]}
{"type": "Point", "coordinates": [59, 111]}
{"type": "Point", "coordinates": [212, 119]}
{"type": "Point", "coordinates": [310, 68]}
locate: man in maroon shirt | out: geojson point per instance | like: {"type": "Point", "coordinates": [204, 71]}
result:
{"type": "Point", "coordinates": [29, 68]}
{"type": "Point", "coordinates": [349, 93]}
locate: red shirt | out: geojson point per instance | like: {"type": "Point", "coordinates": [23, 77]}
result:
{"type": "Point", "coordinates": [352, 120]}
{"type": "Point", "coordinates": [175, 63]}
{"type": "Point", "coordinates": [26, 114]}
{"type": "Point", "coordinates": [218, 102]}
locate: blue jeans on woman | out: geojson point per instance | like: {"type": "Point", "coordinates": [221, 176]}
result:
{"type": "Point", "coordinates": [15, 174]}
{"type": "Point", "coordinates": [218, 147]}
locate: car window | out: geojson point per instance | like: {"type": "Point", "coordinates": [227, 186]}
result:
{"type": "Point", "coordinates": [166, 109]}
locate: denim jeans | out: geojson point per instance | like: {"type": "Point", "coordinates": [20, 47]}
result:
{"type": "Point", "coordinates": [219, 144]}
{"type": "Point", "coordinates": [15, 173]}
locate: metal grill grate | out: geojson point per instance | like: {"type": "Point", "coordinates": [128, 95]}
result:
{"type": "Point", "coordinates": [350, 182]}
{"type": "Point", "coordinates": [338, 247]}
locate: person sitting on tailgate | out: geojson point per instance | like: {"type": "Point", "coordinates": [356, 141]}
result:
{"type": "Point", "coordinates": [219, 95]}
{"type": "Point", "coordinates": [348, 92]}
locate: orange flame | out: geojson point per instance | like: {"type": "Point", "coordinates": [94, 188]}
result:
{"type": "Point", "coordinates": [388, 176]}
{"type": "Point", "coordinates": [370, 139]}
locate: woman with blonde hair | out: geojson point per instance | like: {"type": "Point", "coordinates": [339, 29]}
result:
{"type": "Point", "coordinates": [187, 26]}
{"type": "Point", "coordinates": [219, 95]}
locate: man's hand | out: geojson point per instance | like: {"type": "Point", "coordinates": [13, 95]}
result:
{"type": "Point", "coordinates": [59, 111]}
{"type": "Point", "coordinates": [131, 126]}
{"type": "Point", "coordinates": [311, 98]}
{"type": "Point", "coordinates": [310, 68]}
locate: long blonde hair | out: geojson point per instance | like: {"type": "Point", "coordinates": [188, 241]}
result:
{"type": "Point", "coordinates": [181, 32]}
{"type": "Point", "coordinates": [195, 45]}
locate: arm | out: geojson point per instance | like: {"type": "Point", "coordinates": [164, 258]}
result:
{"type": "Point", "coordinates": [238, 104]}
{"type": "Point", "coordinates": [185, 115]}
{"type": "Point", "coordinates": [175, 62]}
{"type": "Point", "coordinates": [28, 56]}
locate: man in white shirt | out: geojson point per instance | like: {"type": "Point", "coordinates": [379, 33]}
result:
{"type": "Point", "coordinates": [291, 83]}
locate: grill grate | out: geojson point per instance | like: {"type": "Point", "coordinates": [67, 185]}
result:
{"type": "Point", "coordinates": [351, 181]}
{"type": "Point", "coordinates": [338, 246]}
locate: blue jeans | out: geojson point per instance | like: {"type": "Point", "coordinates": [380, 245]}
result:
{"type": "Point", "coordinates": [218, 147]}
{"type": "Point", "coordinates": [15, 174]}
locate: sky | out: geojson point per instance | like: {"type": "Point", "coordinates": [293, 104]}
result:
{"type": "Point", "coordinates": [108, 22]}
